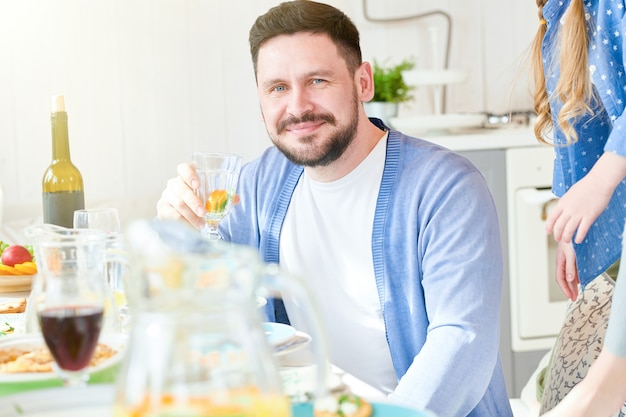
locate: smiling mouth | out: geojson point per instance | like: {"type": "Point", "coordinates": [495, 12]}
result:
{"type": "Point", "coordinates": [304, 128]}
{"type": "Point", "coordinates": [306, 123]}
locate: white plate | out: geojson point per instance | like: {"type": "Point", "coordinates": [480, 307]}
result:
{"type": "Point", "coordinates": [296, 343]}
{"type": "Point", "coordinates": [15, 320]}
{"type": "Point", "coordinates": [300, 382]}
{"type": "Point", "coordinates": [418, 125]}
{"type": "Point", "coordinates": [10, 381]}
{"type": "Point", "coordinates": [278, 333]}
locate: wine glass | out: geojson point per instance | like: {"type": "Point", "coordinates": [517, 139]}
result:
{"type": "Point", "coordinates": [71, 307]}
{"type": "Point", "coordinates": [218, 173]}
{"type": "Point", "coordinates": [116, 262]}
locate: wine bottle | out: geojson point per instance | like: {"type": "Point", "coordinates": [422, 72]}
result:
{"type": "Point", "coordinates": [62, 182]}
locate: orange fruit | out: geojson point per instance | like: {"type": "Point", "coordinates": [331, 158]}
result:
{"type": "Point", "coordinates": [216, 203]}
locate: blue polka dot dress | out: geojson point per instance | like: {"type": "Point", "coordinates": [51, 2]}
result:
{"type": "Point", "coordinates": [605, 131]}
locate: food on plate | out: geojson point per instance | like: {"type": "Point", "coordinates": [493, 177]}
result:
{"type": "Point", "coordinates": [17, 305]}
{"type": "Point", "coordinates": [19, 360]}
{"type": "Point", "coordinates": [344, 405]}
{"type": "Point", "coordinates": [6, 329]}
{"type": "Point", "coordinates": [16, 260]}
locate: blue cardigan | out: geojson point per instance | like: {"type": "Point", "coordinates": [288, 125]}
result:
{"type": "Point", "coordinates": [438, 267]}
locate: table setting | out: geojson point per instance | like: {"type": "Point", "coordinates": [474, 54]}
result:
{"type": "Point", "coordinates": [67, 329]}
{"type": "Point", "coordinates": [166, 321]}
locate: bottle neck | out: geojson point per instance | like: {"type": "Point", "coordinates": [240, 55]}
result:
{"type": "Point", "coordinates": [60, 137]}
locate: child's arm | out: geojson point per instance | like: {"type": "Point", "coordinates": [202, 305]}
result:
{"type": "Point", "coordinates": [581, 205]}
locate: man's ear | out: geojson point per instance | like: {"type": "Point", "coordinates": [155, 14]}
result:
{"type": "Point", "coordinates": [365, 81]}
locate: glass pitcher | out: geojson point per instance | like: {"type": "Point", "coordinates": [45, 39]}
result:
{"type": "Point", "coordinates": [197, 346]}
{"type": "Point", "coordinates": [60, 251]}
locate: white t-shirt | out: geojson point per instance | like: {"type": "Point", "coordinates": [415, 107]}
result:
{"type": "Point", "coordinates": [327, 239]}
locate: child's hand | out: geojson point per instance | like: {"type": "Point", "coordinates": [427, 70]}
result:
{"type": "Point", "coordinates": [576, 211]}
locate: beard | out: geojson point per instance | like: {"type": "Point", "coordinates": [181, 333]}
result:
{"type": "Point", "coordinates": [307, 152]}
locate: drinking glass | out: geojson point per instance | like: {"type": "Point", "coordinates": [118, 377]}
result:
{"type": "Point", "coordinates": [70, 307]}
{"type": "Point", "coordinates": [105, 219]}
{"type": "Point", "coordinates": [218, 174]}
{"type": "Point", "coordinates": [116, 263]}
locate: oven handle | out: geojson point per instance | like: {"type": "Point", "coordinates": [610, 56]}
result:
{"type": "Point", "coordinates": [546, 205]}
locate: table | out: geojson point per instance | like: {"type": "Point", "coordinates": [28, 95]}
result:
{"type": "Point", "coordinates": [95, 401]}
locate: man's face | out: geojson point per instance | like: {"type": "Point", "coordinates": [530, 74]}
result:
{"type": "Point", "coordinates": [308, 98]}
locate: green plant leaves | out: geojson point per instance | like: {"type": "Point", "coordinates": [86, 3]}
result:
{"type": "Point", "coordinates": [389, 85]}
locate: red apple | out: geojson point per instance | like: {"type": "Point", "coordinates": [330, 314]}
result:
{"type": "Point", "coordinates": [16, 254]}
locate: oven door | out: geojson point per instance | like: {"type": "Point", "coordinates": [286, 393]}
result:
{"type": "Point", "coordinates": [540, 303]}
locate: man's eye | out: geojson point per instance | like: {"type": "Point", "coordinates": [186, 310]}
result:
{"type": "Point", "coordinates": [279, 88]}
{"type": "Point", "coordinates": [318, 81]}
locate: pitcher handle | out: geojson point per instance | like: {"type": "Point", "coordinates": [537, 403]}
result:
{"type": "Point", "coordinates": [275, 279]}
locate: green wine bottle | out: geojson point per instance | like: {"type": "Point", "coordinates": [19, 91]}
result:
{"type": "Point", "coordinates": [62, 182]}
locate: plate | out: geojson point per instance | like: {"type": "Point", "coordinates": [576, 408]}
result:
{"type": "Point", "coordinates": [378, 410]}
{"type": "Point", "coordinates": [417, 125]}
{"type": "Point", "coordinates": [97, 401]}
{"type": "Point", "coordinates": [278, 333]}
{"type": "Point", "coordinates": [104, 372]}
{"type": "Point", "coordinates": [15, 283]}
{"type": "Point", "coordinates": [15, 320]}
{"type": "Point", "coordinates": [299, 341]}
{"type": "Point", "coordinates": [299, 382]}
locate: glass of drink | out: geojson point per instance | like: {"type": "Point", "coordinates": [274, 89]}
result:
{"type": "Point", "coordinates": [218, 174]}
{"type": "Point", "coordinates": [70, 304]}
{"type": "Point", "coordinates": [116, 262]}
{"type": "Point", "coordinates": [105, 219]}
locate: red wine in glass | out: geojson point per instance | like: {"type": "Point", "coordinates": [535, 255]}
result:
{"type": "Point", "coordinates": [71, 334]}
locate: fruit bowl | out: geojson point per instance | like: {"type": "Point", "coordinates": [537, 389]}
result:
{"type": "Point", "coordinates": [17, 278]}
{"type": "Point", "coordinates": [16, 283]}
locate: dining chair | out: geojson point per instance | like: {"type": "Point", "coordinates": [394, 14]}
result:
{"type": "Point", "coordinates": [579, 342]}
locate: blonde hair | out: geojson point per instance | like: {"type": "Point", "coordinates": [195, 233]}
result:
{"type": "Point", "coordinates": [573, 87]}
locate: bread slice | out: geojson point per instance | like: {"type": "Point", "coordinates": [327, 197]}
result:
{"type": "Point", "coordinates": [13, 306]}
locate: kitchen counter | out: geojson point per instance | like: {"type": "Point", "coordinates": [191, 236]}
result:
{"type": "Point", "coordinates": [484, 138]}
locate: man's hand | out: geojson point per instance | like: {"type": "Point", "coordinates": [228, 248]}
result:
{"type": "Point", "coordinates": [179, 200]}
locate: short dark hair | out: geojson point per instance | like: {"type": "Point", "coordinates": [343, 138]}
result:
{"type": "Point", "coordinates": [307, 16]}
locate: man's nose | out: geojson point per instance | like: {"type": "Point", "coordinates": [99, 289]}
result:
{"type": "Point", "coordinates": [299, 102]}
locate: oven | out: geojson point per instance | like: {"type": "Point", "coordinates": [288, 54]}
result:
{"type": "Point", "coordinates": [537, 303]}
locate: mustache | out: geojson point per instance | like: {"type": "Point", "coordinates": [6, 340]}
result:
{"type": "Point", "coordinates": [307, 117]}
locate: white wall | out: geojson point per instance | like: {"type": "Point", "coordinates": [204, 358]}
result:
{"type": "Point", "coordinates": [149, 81]}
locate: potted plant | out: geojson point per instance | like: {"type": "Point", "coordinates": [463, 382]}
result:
{"type": "Point", "coordinates": [389, 90]}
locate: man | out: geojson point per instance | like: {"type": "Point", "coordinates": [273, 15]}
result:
{"type": "Point", "coordinates": [397, 238]}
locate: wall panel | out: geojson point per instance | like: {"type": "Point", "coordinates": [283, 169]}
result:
{"type": "Point", "coordinates": [149, 81]}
